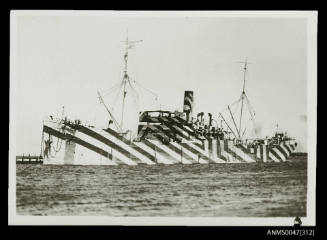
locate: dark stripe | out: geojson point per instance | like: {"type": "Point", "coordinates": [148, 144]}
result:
{"type": "Point", "coordinates": [292, 146]}
{"type": "Point", "coordinates": [167, 133]}
{"type": "Point", "coordinates": [210, 146]}
{"type": "Point", "coordinates": [282, 151]}
{"type": "Point", "coordinates": [195, 151]}
{"type": "Point", "coordinates": [267, 151]}
{"type": "Point", "coordinates": [180, 122]}
{"type": "Point", "coordinates": [176, 131]}
{"type": "Point", "coordinates": [159, 150]}
{"type": "Point", "coordinates": [274, 153]}
{"type": "Point", "coordinates": [223, 158]}
{"type": "Point", "coordinates": [218, 149]}
{"type": "Point", "coordinates": [226, 145]}
{"type": "Point", "coordinates": [67, 136]}
{"type": "Point", "coordinates": [106, 141]}
{"type": "Point", "coordinates": [288, 149]}
{"type": "Point", "coordinates": [178, 151]}
{"type": "Point", "coordinates": [244, 149]}
{"type": "Point", "coordinates": [131, 144]}
{"type": "Point", "coordinates": [236, 155]}
{"type": "Point", "coordinates": [257, 150]}
{"type": "Point", "coordinates": [189, 94]}
{"type": "Point", "coordinates": [171, 123]}
{"type": "Point", "coordinates": [200, 145]}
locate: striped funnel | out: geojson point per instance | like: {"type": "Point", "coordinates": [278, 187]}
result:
{"type": "Point", "coordinates": [188, 103]}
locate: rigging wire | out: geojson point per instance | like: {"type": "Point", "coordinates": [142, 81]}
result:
{"type": "Point", "coordinates": [134, 90]}
{"type": "Point", "coordinates": [108, 92]}
{"type": "Point", "coordinates": [156, 97]}
{"type": "Point", "coordinates": [226, 109]}
{"type": "Point", "coordinates": [134, 95]}
{"type": "Point", "coordinates": [252, 115]}
{"type": "Point", "coordinates": [246, 126]}
{"type": "Point", "coordinates": [116, 98]}
{"type": "Point", "coordinates": [153, 93]}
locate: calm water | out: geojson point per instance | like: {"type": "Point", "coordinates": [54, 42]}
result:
{"type": "Point", "coordinates": [243, 190]}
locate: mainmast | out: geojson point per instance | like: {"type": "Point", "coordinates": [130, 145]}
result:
{"type": "Point", "coordinates": [244, 100]}
{"type": "Point", "coordinates": [243, 93]}
{"type": "Point", "coordinates": [129, 45]}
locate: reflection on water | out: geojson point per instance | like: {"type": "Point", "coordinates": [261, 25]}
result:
{"type": "Point", "coordinates": [201, 190]}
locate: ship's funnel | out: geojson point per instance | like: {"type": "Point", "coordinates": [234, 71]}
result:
{"type": "Point", "coordinates": [188, 104]}
{"type": "Point", "coordinates": [210, 119]}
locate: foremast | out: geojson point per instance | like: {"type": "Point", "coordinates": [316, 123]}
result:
{"type": "Point", "coordinates": [126, 79]}
{"type": "Point", "coordinates": [122, 85]}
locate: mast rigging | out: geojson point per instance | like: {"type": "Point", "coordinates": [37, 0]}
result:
{"type": "Point", "coordinates": [129, 45]}
{"type": "Point", "coordinates": [243, 93]}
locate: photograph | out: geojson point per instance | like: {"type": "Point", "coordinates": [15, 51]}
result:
{"type": "Point", "coordinates": [162, 118]}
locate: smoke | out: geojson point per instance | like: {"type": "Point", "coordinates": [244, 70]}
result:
{"type": "Point", "coordinates": [258, 129]}
{"type": "Point", "coordinates": [303, 117]}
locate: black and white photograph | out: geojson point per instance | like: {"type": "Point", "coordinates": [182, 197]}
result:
{"type": "Point", "coordinates": [163, 118]}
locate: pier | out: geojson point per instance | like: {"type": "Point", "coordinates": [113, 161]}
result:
{"type": "Point", "coordinates": [29, 159]}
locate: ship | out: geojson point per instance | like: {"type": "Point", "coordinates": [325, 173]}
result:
{"type": "Point", "coordinates": [162, 136]}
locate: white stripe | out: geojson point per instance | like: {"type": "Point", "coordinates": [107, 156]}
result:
{"type": "Point", "coordinates": [53, 124]}
{"type": "Point", "coordinates": [243, 155]}
{"type": "Point", "coordinates": [264, 153]}
{"type": "Point", "coordinates": [188, 99]}
{"type": "Point", "coordinates": [126, 147]}
{"type": "Point", "coordinates": [188, 128]}
{"type": "Point", "coordinates": [175, 120]}
{"type": "Point", "coordinates": [289, 146]}
{"type": "Point", "coordinates": [292, 142]}
{"type": "Point", "coordinates": [215, 157]}
{"type": "Point", "coordinates": [258, 152]}
{"type": "Point", "coordinates": [272, 156]}
{"type": "Point", "coordinates": [285, 149]}
{"type": "Point", "coordinates": [164, 148]}
{"type": "Point", "coordinates": [105, 147]}
{"type": "Point", "coordinates": [176, 155]}
{"type": "Point", "coordinates": [55, 158]}
{"type": "Point", "coordinates": [85, 156]}
{"type": "Point", "coordinates": [197, 148]}
{"type": "Point", "coordinates": [294, 147]}
{"type": "Point", "coordinates": [214, 149]}
{"type": "Point", "coordinates": [231, 146]}
{"type": "Point", "coordinates": [230, 158]}
{"type": "Point", "coordinates": [282, 157]}
{"type": "Point", "coordinates": [206, 148]}
{"type": "Point", "coordinates": [197, 141]}
{"type": "Point", "coordinates": [222, 150]}
{"type": "Point", "coordinates": [159, 157]}
{"type": "Point", "coordinates": [90, 157]}
{"type": "Point", "coordinates": [189, 153]}
{"type": "Point", "coordinates": [180, 130]}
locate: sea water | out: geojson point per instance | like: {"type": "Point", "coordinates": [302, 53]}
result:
{"type": "Point", "coordinates": [197, 190]}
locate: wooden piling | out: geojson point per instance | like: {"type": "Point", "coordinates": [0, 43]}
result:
{"type": "Point", "coordinates": [29, 159]}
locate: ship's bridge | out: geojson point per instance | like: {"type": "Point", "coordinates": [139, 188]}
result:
{"type": "Point", "coordinates": [159, 115]}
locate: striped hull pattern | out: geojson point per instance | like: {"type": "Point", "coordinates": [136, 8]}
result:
{"type": "Point", "coordinates": [82, 145]}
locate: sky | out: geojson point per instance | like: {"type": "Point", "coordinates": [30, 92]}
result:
{"type": "Point", "coordinates": [64, 60]}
